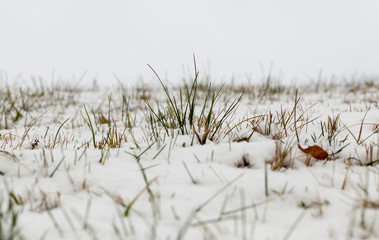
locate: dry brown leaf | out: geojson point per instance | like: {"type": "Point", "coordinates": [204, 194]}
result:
{"type": "Point", "coordinates": [315, 151]}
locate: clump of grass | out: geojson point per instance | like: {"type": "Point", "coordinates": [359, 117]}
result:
{"type": "Point", "coordinates": [180, 112]}
{"type": "Point", "coordinates": [329, 129]}
{"type": "Point", "coordinates": [48, 202]}
{"type": "Point", "coordinates": [333, 124]}
{"type": "Point", "coordinates": [11, 107]}
{"type": "Point", "coordinates": [114, 138]}
{"type": "Point", "coordinates": [272, 125]}
{"type": "Point", "coordinates": [282, 157]}
{"type": "Point", "coordinates": [125, 113]}
{"type": "Point", "coordinates": [244, 162]}
{"type": "Point", "coordinates": [317, 204]}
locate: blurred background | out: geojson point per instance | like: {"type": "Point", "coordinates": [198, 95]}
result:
{"type": "Point", "coordinates": [295, 40]}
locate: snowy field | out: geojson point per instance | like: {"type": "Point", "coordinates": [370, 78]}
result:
{"type": "Point", "coordinates": [95, 146]}
{"type": "Point", "coordinates": [190, 161]}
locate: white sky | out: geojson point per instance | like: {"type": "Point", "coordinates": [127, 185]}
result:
{"type": "Point", "coordinates": [238, 37]}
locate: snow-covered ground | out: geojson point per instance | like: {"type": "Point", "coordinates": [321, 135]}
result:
{"type": "Point", "coordinates": [85, 162]}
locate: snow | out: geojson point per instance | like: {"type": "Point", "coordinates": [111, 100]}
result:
{"type": "Point", "coordinates": [88, 194]}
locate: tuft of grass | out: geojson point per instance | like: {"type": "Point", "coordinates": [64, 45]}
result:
{"type": "Point", "coordinates": [114, 138]}
{"type": "Point", "coordinates": [244, 162]}
{"type": "Point", "coordinates": [180, 111]}
{"type": "Point", "coordinates": [11, 108]}
{"type": "Point", "coordinates": [282, 157]}
{"type": "Point", "coordinates": [329, 129]}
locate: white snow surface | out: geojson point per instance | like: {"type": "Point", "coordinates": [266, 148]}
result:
{"type": "Point", "coordinates": [88, 194]}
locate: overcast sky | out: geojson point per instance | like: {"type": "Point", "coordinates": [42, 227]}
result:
{"type": "Point", "coordinates": [297, 37]}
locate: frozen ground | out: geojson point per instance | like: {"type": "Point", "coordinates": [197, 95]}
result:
{"type": "Point", "coordinates": [84, 162]}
